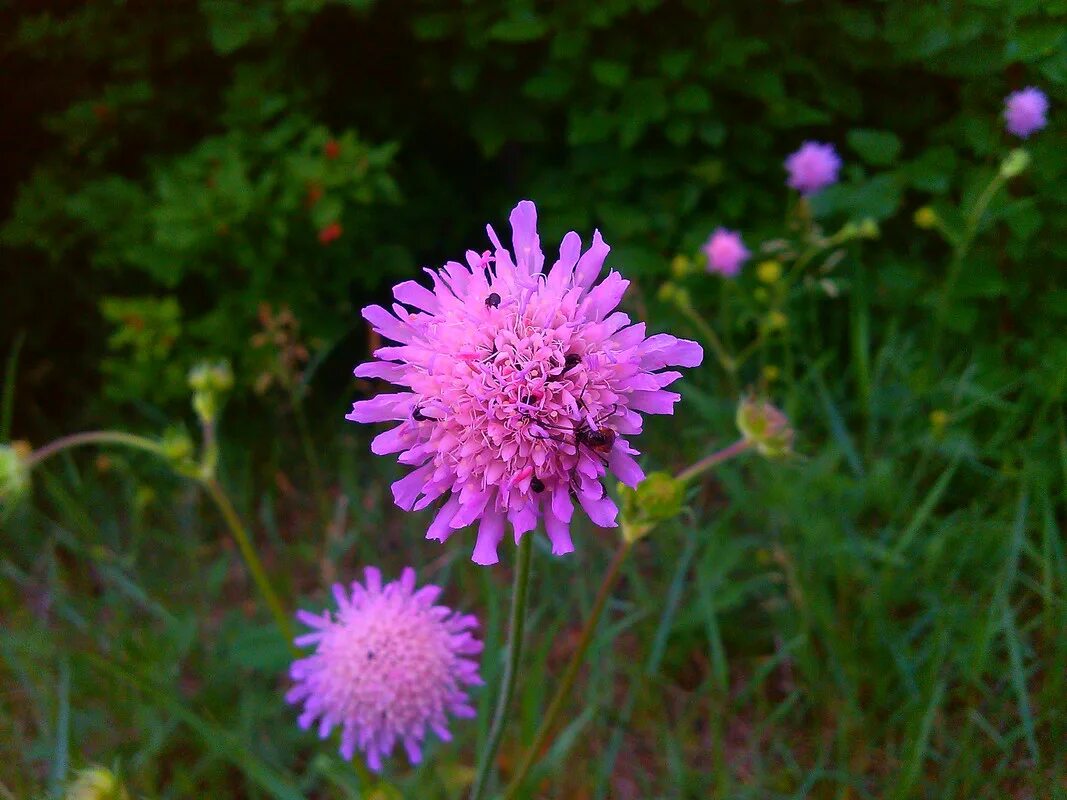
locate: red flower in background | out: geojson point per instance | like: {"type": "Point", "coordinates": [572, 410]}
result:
{"type": "Point", "coordinates": [330, 233]}
{"type": "Point", "coordinates": [332, 149]}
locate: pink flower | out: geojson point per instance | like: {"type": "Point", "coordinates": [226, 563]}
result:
{"type": "Point", "coordinates": [726, 252]}
{"type": "Point", "coordinates": [813, 167]}
{"type": "Point", "coordinates": [388, 664]}
{"type": "Point", "coordinates": [519, 388]}
{"type": "Point", "coordinates": [1025, 110]}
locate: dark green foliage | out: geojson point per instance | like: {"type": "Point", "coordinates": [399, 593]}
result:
{"type": "Point", "coordinates": [881, 617]}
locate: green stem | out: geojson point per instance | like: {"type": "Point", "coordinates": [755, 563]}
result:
{"type": "Point", "coordinates": [309, 455]}
{"type": "Point", "coordinates": [571, 672]}
{"type": "Point", "coordinates": [511, 668]}
{"type": "Point", "coordinates": [607, 583]}
{"type": "Point", "coordinates": [248, 551]}
{"type": "Point", "coordinates": [726, 361]}
{"type": "Point", "coordinates": [213, 488]}
{"type": "Point", "coordinates": [92, 437]}
{"type": "Point", "coordinates": [963, 247]}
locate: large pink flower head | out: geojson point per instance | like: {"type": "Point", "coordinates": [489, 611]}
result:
{"type": "Point", "coordinates": [813, 167]}
{"type": "Point", "coordinates": [519, 388]}
{"type": "Point", "coordinates": [1025, 110]}
{"type": "Point", "coordinates": [388, 664]}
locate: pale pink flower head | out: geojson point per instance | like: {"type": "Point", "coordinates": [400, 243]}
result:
{"type": "Point", "coordinates": [519, 388]}
{"type": "Point", "coordinates": [813, 167]}
{"type": "Point", "coordinates": [1025, 110]}
{"type": "Point", "coordinates": [726, 252]}
{"type": "Point", "coordinates": [388, 665]}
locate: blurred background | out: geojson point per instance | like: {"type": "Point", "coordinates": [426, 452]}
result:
{"type": "Point", "coordinates": [882, 615]}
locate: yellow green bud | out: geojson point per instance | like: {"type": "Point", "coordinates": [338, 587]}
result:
{"type": "Point", "coordinates": [939, 420]}
{"type": "Point", "coordinates": [765, 427]}
{"type": "Point", "coordinates": [771, 373]}
{"type": "Point", "coordinates": [667, 292]}
{"type": "Point", "coordinates": [926, 218]}
{"type": "Point", "coordinates": [14, 474]}
{"type": "Point", "coordinates": [96, 783]}
{"type": "Point", "coordinates": [868, 229]}
{"type": "Point", "coordinates": [776, 321]}
{"type": "Point", "coordinates": [769, 271]}
{"type": "Point", "coordinates": [658, 498]}
{"type": "Point", "coordinates": [681, 266]}
{"type": "Point", "coordinates": [1015, 163]}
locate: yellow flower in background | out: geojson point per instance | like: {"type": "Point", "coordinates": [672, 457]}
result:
{"type": "Point", "coordinates": [776, 321]}
{"type": "Point", "coordinates": [96, 783]}
{"type": "Point", "coordinates": [926, 218]}
{"type": "Point", "coordinates": [769, 271]}
{"type": "Point", "coordinates": [771, 373]}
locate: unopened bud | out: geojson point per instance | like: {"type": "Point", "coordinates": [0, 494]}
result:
{"type": "Point", "coordinates": [1015, 163]}
{"type": "Point", "coordinates": [926, 218]}
{"type": "Point", "coordinates": [765, 427]}
{"type": "Point", "coordinates": [868, 229]}
{"type": "Point", "coordinates": [14, 473]}
{"type": "Point", "coordinates": [96, 783]}
{"type": "Point", "coordinates": [769, 271]}
{"type": "Point", "coordinates": [658, 498]}
{"type": "Point", "coordinates": [681, 266]}
{"type": "Point", "coordinates": [666, 292]}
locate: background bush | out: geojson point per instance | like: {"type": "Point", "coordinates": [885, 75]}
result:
{"type": "Point", "coordinates": [882, 618]}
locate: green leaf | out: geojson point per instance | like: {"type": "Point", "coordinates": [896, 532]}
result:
{"type": "Point", "coordinates": [525, 28]}
{"type": "Point", "coordinates": [611, 73]}
{"type": "Point", "coordinates": [879, 148]}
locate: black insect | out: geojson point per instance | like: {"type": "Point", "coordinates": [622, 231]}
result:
{"type": "Point", "coordinates": [417, 414]}
{"type": "Point", "coordinates": [537, 485]}
{"type": "Point", "coordinates": [493, 300]}
{"type": "Point", "coordinates": [571, 361]}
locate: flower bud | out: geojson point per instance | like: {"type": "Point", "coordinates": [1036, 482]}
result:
{"type": "Point", "coordinates": [667, 292]}
{"type": "Point", "coordinates": [765, 427]}
{"type": "Point", "coordinates": [868, 229]}
{"type": "Point", "coordinates": [769, 271]}
{"type": "Point", "coordinates": [1015, 163]}
{"type": "Point", "coordinates": [96, 783]}
{"type": "Point", "coordinates": [210, 382]}
{"type": "Point", "coordinates": [776, 321]}
{"type": "Point", "coordinates": [939, 419]}
{"type": "Point", "coordinates": [681, 265]}
{"type": "Point", "coordinates": [179, 450]}
{"type": "Point", "coordinates": [14, 474]}
{"type": "Point", "coordinates": [926, 218]}
{"type": "Point", "coordinates": [658, 498]}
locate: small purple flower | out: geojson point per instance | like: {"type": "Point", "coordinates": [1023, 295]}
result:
{"type": "Point", "coordinates": [1025, 110]}
{"type": "Point", "coordinates": [726, 252]}
{"type": "Point", "coordinates": [813, 167]}
{"type": "Point", "coordinates": [388, 664]}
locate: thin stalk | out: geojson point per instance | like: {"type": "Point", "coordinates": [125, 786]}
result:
{"type": "Point", "coordinates": [211, 486]}
{"type": "Point", "coordinates": [726, 361]}
{"type": "Point", "coordinates": [516, 623]}
{"type": "Point", "coordinates": [706, 463]}
{"type": "Point", "coordinates": [607, 583]}
{"type": "Point", "coordinates": [248, 551]}
{"type": "Point", "coordinates": [571, 672]}
{"type": "Point", "coordinates": [92, 437]}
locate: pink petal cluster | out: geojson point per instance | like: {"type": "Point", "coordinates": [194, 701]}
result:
{"type": "Point", "coordinates": [519, 388]}
{"type": "Point", "coordinates": [1025, 110]}
{"type": "Point", "coordinates": [813, 167]}
{"type": "Point", "coordinates": [726, 252]}
{"type": "Point", "coordinates": [388, 664]}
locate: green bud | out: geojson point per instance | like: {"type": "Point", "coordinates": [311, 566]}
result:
{"type": "Point", "coordinates": [926, 218]}
{"type": "Point", "coordinates": [14, 474]}
{"type": "Point", "coordinates": [1015, 163]}
{"type": "Point", "coordinates": [179, 450]}
{"type": "Point", "coordinates": [96, 783]}
{"type": "Point", "coordinates": [666, 292]}
{"type": "Point", "coordinates": [765, 427]}
{"type": "Point", "coordinates": [681, 266]}
{"type": "Point", "coordinates": [658, 498]}
{"type": "Point", "coordinates": [868, 229]}
{"type": "Point", "coordinates": [210, 382]}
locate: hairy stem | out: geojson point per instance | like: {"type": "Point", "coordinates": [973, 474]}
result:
{"type": "Point", "coordinates": [92, 437]}
{"type": "Point", "coordinates": [516, 623]}
{"type": "Point", "coordinates": [706, 463]}
{"type": "Point", "coordinates": [607, 583]}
